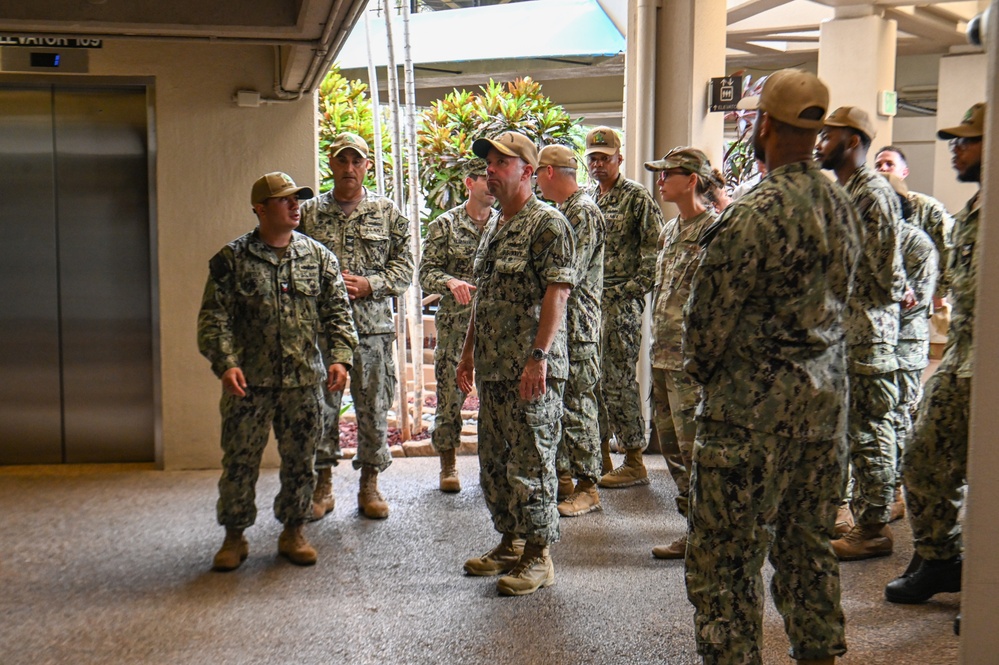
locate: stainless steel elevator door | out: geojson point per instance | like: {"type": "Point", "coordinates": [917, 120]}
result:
{"type": "Point", "coordinates": [76, 358]}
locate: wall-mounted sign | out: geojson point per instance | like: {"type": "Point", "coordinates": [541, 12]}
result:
{"type": "Point", "coordinates": [724, 93]}
{"type": "Point", "coordinates": [50, 42]}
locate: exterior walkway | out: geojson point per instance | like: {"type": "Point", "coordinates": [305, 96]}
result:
{"type": "Point", "coordinates": [107, 564]}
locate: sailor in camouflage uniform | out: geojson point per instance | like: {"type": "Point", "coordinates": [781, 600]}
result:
{"type": "Point", "coordinates": [269, 296]}
{"type": "Point", "coordinates": [633, 221]}
{"type": "Point", "coordinates": [446, 268]}
{"type": "Point", "coordinates": [685, 179]}
{"type": "Point", "coordinates": [925, 213]}
{"type": "Point", "coordinates": [935, 461]}
{"type": "Point", "coordinates": [516, 351]}
{"type": "Point", "coordinates": [579, 451]}
{"type": "Point", "coordinates": [764, 334]}
{"type": "Point", "coordinates": [919, 256]}
{"type": "Point", "coordinates": [371, 238]}
{"type": "Point", "coordinates": [872, 333]}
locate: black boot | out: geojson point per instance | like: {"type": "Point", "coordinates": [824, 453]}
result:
{"type": "Point", "coordinates": [931, 578]}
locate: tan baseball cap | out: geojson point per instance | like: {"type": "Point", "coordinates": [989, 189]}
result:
{"type": "Point", "coordinates": [276, 185]}
{"type": "Point", "coordinates": [690, 160]}
{"type": "Point", "coordinates": [604, 140]}
{"type": "Point", "coordinates": [972, 125]}
{"type": "Point", "coordinates": [792, 96]}
{"type": "Point", "coordinates": [557, 155]}
{"type": "Point", "coordinates": [512, 144]}
{"type": "Point", "coordinates": [346, 140]}
{"type": "Point", "coordinates": [853, 117]}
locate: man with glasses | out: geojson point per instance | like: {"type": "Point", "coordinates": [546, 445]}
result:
{"type": "Point", "coordinates": [269, 295]}
{"type": "Point", "coordinates": [935, 461]}
{"type": "Point", "coordinates": [633, 222]}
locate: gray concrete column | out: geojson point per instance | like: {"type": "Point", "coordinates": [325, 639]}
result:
{"type": "Point", "coordinates": [857, 62]}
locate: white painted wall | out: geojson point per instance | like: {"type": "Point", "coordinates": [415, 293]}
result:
{"type": "Point", "coordinates": [208, 153]}
{"type": "Point", "coordinates": [962, 84]}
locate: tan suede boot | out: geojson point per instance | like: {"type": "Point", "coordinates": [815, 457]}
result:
{"type": "Point", "coordinates": [449, 481]}
{"type": "Point", "coordinates": [233, 552]}
{"type": "Point", "coordinates": [584, 499]}
{"type": "Point", "coordinates": [864, 542]}
{"type": "Point", "coordinates": [323, 500]}
{"type": "Point", "coordinates": [897, 506]}
{"type": "Point", "coordinates": [675, 550]}
{"type": "Point", "coordinates": [565, 486]}
{"type": "Point", "coordinates": [369, 500]}
{"type": "Point", "coordinates": [293, 546]}
{"type": "Point", "coordinates": [500, 559]}
{"type": "Point", "coordinates": [606, 463]}
{"type": "Point", "coordinates": [534, 571]}
{"type": "Point", "coordinates": [844, 519]}
{"type": "Point", "coordinates": [631, 473]}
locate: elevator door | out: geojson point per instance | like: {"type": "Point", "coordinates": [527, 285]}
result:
{"type": "Point", "coordinates": [76, 353]}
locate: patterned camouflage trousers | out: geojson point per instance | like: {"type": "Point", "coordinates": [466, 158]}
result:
{"type": "Point", "coordinates": [910, 391]}
{"type": "Point", "coordinates": [619, 393]}
{"type": "Point", "coordinates": [372, 385]}
{"type": "Point", "coordinates": [675, 397]}
{"type": "Point", "coordinates": [446, 433]}
{"type": "Point", "coordinates": [754, 494]}
{"type": "Point", "coordinates": [579, 450]}
{"type": "Point", "coordinates": [873, 400]}
{"type": "Point", "coordinates": [934, 464]}
{"type": "Point", "coordinates": [297, 417]}
{"type": "Point", "coordinates": [517, 445]}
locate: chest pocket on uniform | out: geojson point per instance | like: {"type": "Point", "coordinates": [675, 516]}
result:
{"type": "Point", "coordinates": [305, 291]}
{"type": "Point", "coordinates": [375, 243]}
{"type": "Point", "coordinates": [512, 279]}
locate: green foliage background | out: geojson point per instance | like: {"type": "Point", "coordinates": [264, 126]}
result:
{"type": "Point", "coordinates": [445, 130]}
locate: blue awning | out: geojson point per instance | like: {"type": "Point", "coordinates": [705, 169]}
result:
{"type": "Point", "coordinates": [539, 29]}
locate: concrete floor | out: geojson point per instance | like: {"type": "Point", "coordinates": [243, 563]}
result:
{"type": "Point", "coordinates": [109, 564]}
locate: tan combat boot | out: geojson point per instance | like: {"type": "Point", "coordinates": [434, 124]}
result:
{"type": "Point", "coordinates": [583, 500]}
{"type": "Point", "coordinates": [449, 472]}
{"type": "Point", "coordinates": [323, 500]}
{"type": "Point", "coordinates": [864, 542]}
{"type": "Point", "coordinates": [369, 500]}
{"type": "Point", "coordinates": [897, 506]}
{"type": "Point", "coordinates": [233, 552]}
{"type": "Point", "coordinates": [631, 472]}
{"type": "Point", "coordinates": [606, 463]}
{"type": "Point", "coordinates": [500, 559]}
{"type": "Point", "coordinates": [675, 550]}
{"type": "Point", "coordinates": [844, 519]}
{"type": "Point", "coordinates": [565, 486]}
{"type": "Point", "coordinates": [293, 546]}
{"type": "Point", "coordinates": [534, 571]}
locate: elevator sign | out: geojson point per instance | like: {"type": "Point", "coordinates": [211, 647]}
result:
{"type": "Point", "coordinates": [50, 42]}
{"type": "Point", "coordinates": [724, 93]}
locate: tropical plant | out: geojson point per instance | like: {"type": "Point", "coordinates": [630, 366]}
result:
{"type": "Point", "coordinates": [450, 125]}
{"type": "Point", "coordinates": [739, 161]}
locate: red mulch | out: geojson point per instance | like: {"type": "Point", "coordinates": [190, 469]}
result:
{"type": "Point", "coordinates": [348, 435]}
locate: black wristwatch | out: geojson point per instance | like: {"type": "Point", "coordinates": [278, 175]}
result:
{"type": "Point", "coordinates": [539, 354]}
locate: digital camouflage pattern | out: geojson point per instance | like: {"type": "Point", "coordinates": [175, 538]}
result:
{"type": "Point", "coordinates": [515, 263]}
{"type": "Point", "coordinates": [265, 315]}
{"type": "Point", "coordinates": [579, 450]}
{"type": "Point", "coordinates": [764, 332]}
{"type": "Point", "coordinates": [676, 396]}
{"type": "Point", "coordinates": [372, 242]}
{"type": "Point", "coordinates": [789, 486]}
{"type": "Point", "coordinates": [935, 461]}
{"type": "Point", "coordinates": [372, 385]}
{"type": "Point", "coordinates": [675, 266]}
{"type": "Point", "coordinates": [517, 447]}
{"type": "Point", "coordinates": [872, 338]}
{"type": "Point", "coordinates": [633, 222]}
{"type": "Point", "coordinates": [764, 326]}
{"type": "Point", "coordinates": [448, 253]}
{"type": "Point", "coordinates": [872, 326]}
{"type": "Point", "coordinates": [932, 217]}
{"type": "Point", "coordinates": [920, 258]}
{"type": "Point", "coordinates": [297, 417]}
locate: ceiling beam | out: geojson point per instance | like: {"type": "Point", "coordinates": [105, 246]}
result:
{"type": "Point", "coordinates": [921, 26]}
{"type": "Point", "coordinates": [770, 33]}
{"type": "Point", "coordinates": [751, 9]}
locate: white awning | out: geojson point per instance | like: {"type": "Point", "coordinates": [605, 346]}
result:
{"type": "Point", "coordinates": [539, 29]}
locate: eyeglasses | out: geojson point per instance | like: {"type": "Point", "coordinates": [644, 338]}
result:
{"type": "Point", "coordinates": [663, 175]}
{"type": "Point", "coordinates": [963, 143]}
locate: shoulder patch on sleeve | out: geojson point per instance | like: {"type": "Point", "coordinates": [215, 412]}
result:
{"type": "Point", "coordinates": [543, 242]}
{"type": "Point", "coordinates": [219, 268]}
